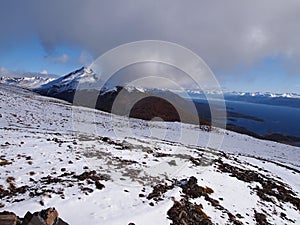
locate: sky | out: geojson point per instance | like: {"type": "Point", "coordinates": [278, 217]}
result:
{"type": "Point", "coordinates": [249, 45]}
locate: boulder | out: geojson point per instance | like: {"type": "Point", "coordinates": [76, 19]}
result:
{"type": "Point", "coordinates": [45, 217]}
{"type": "Point", "coordinates": [8, 218]}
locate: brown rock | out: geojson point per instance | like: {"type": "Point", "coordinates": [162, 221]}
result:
{"type": "Point", "coordinates": [61, 222]}
{"type": "Point", "coordinates": [31, 219]}
{"type": "Point", "coordinates": [8, 218]}
{"type": "Point", "coordinates": [261, 218]}
{"type": "Point", "coordinates": [45, 217]}
{"type": "Point", "coordinates": [187, 213]}
{"type": "Point", "coordinates": [49, 215]}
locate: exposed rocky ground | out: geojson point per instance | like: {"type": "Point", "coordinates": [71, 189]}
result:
{"type": "Point", "coordinates": [44, 217]}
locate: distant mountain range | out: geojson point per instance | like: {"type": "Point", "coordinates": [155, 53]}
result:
{"type": "Point", "coordinates": [284, 99]}
{"type": "Point", "coordinates": [85, 78]}
{"type": "Point", "coordinates": [18, 74]}
{"type": "Point", "coordinates": [26, 82]}
{"type": "Point", "coordinates": [245, 94]}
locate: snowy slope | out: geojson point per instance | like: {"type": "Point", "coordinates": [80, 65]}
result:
{"type": "Point", "coordinates": [268, 98]}
{"type": "Point", "coordinates": [46, 145]}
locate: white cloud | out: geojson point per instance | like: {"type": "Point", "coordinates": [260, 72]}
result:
{"type": "Point", "coordinates": [3, 70]}
{"type": "Point", "coordinates": [59, 59]}
{"type": "Point", "coordinates": [85, 58]}
{"type": "Point", "coordinates": [44, 72]}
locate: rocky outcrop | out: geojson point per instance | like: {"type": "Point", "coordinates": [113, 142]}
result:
{"type": "Point", "coordinates": [44, 217]}
{"type": "Point", "coordinates": [8, 218]}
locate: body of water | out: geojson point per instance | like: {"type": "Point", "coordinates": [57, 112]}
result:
{"type": "Point", "coordinates": [272, 119]}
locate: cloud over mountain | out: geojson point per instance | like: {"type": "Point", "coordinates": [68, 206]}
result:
{"type": "Point", "coordinates": [59, 59]}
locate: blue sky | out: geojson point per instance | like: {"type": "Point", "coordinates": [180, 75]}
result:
{"type": "Point", "coordinates": [247, 49]}
{"type": "Point", "coordinates": [268, 75]}
{"type": "Point", "coordinates": [29, 55]}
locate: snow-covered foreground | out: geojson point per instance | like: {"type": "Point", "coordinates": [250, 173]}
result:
{"type": "Point", "coordinates": [95, 168]}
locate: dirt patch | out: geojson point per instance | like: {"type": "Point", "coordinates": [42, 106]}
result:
{"type": "Point", "coordinates": [270, 189]}
{"type": "Point", "coordinates": [158, 191]}
{"type": "Point", "coordinates": [5, 163]}
{"type": "Point", "coordinates": [192, 190]}
{"type": "Point", "coordinates": [187, 213]}
{"type": "Point", "coordinates": [87, 182]}
{"type": "Point", "coordinates": [261, 219]}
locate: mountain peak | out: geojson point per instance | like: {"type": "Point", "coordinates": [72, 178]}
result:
{"type": "Point", "coordinates": [83, 76]}
{"type": "Point", "coordinates": [80, 71]}
{"type": "Point", "coordinates": [85, 69]}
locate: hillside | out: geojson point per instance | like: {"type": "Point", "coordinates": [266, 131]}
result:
{"type": "Point", "coordinates": [98, 168]}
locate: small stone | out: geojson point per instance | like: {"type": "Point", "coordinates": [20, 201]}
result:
{"type": "Point", "coordinates": [28, 158]}
{"type": "Point", "coordinates": [99, 185]}
{"type": "Point", "coordinates": [31, 173]}
{"type": "Point", "coordinates": [239, 216]}
{"type": "Point", "coordinates": [151, 204]}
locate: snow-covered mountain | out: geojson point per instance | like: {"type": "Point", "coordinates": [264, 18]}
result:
{"type": "Point", "coordinates": [265, 94]}
{"type": "Point", "coordinates": [98, 168]}
{"type": "Point", "coordinates": [70, 82]}
{"type": "Point", "coordinates": [85, 79]}
{"type": "Point", "coordinates": [268, 98]}
{"type": "Point", "coordinates": [244, 94]}
{"type": "Point", "coordinates": [26, 82]}
{"type": "Point", "coordinates": [285, 99]}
